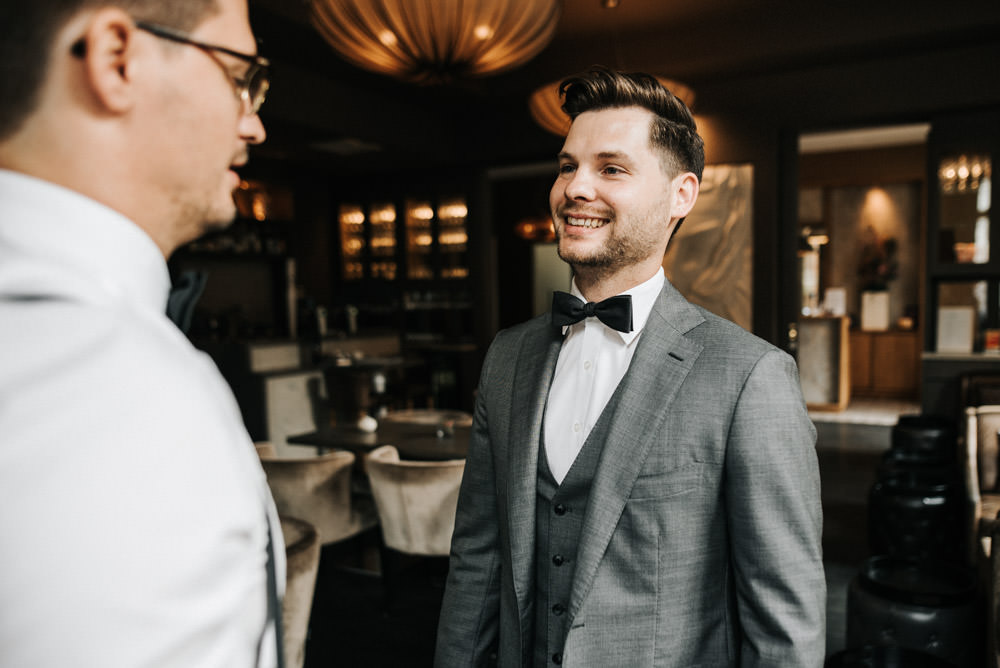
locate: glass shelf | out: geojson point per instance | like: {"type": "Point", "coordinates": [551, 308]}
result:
{"type": "Point", "coordinates": [352, 241]}
{"type": "Point", "coordinates": [964, 183]}
{"type": "Point", "coordinates": [419, 239]}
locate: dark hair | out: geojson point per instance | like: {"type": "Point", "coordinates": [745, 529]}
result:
{"type": "Point", "coordinates": [27, 30]}
{"type": "Point", "coordinates": [673, 128]}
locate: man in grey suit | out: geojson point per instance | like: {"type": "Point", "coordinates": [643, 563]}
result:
{"type": "Point", "coordinates": [642, 486]}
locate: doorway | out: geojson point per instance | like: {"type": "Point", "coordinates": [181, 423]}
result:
{"type": "Point", "coordinates": [859, 231]}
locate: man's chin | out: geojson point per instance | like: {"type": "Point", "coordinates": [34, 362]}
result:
{"type": "Point", "coordinates": [219, 219]}
{"type": "Point", "coordinates": [217, 224]}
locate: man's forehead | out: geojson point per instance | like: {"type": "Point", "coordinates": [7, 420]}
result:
{"type": "Point", "coordinates": [229, 24]}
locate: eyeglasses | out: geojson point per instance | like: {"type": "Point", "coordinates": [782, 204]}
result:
{"type": "Point", "coordinates": [251, 87]}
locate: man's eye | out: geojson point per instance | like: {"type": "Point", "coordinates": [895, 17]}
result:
{"type": "Point", "coordinates": [612, 170]}
{"type": "Point", "coordinates": [567, 168]}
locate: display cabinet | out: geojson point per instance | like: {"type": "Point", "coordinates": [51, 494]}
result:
{"type": "Point", "coordinates": [963, 277]}
{"type": "Point", "coordinates": [404, 265]}
{"type": "Point", "coordinates": [411, 275]}
{"type": "Point", "coordinates": [962, 290]}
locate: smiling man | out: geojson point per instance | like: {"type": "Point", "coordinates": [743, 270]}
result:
{"type": "Point", "coordinates": [642, 486]}
{"type": "Point", "coordinates": [137, 525]}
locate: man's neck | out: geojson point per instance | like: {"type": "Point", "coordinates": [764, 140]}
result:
{"type": "Point", "coordinates": [599, 283]}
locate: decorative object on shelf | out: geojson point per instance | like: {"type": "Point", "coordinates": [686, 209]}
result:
{"type": "Point", "coordinates": [876, 268]}
{"type": "Point", "coordinates": [878, 264]}
{"type": "Point", "coordinates": [430, 41]}
{"type": "Point", "coordinates": [875, 310]}
{"type": "Point", "coordinates": [991, 341]}
{"type": "Point", "coordinates": [956, 326]}
{"type": "Point", "coordinates": [545, 104]}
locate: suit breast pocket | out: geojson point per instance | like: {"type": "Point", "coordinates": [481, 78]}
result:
{"type": "Point", "coordinates": [666, 484]}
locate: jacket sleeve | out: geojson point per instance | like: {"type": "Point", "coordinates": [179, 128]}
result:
{"type": "Point", "coordinates": [775, 519]}
{"type": "Point", "coordinates": [469, 622]}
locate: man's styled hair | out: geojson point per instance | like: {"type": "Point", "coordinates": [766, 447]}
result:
{"type": "Point", "coordinates": [27, 30]}
{"type": "Point", "coordinates": [673, 128]}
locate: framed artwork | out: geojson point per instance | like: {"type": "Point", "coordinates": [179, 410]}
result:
{"type": "Point", "coordinates": [710, 257]}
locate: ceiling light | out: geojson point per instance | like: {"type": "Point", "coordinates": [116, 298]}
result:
{"type": "Point", "coordinates": [437, 40]}
{"type": "Point", "coordinates": [546, 104]}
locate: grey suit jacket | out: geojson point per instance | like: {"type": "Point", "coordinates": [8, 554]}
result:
{"type": "Point", "coordinates": [701, 540]}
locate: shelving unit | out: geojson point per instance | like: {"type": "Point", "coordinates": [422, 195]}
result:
{"type": "Point", "coordinates": [963, 256]}
{"type": "Point", "coordinates": [404, 264]}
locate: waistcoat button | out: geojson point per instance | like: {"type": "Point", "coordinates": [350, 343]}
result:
{"type": "Point", "coordinates": [557, 659]}
{"type": "Point", "coordinates": [558, 609]}
{"type": "Point", "coordinates": [558, 560]}
{"type": "Point", "coordinates": [560, 509]}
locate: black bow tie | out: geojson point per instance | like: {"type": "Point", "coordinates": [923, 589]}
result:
{"type": "Point", "coordinates": [615, 312]}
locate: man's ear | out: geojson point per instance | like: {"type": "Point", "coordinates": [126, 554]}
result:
{"type": "Point", "coordinates": [686, 188]}
{"type": "Point", "coordinates": [108, 50]}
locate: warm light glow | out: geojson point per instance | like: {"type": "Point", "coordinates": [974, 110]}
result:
{"type": "Point", "coordinates": [452, 211]}
{"type": "Point", "coordinates": [453, 238]}
{"type": "Point", "coordinates": [352, 216]}
{"type": "Point", "coordinates": [422, 212]}
{"type": "Point", "coordinates": [536, 229]}
{"type": "Point", "coordinates": [259, 206]}
{"type": "Point", "coordinates": [385, 214]}
{"type": "Point", "coordinates": [545, 104]}
{"type": "Point", "coordinates": [437, 40]}
{"type": "Point", "coordinates": [388, 38]}
{"type": "Point", "coordinates": [964, 173]}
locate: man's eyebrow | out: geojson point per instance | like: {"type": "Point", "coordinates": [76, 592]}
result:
{"type": "Point", "coordinates": [603, 155]}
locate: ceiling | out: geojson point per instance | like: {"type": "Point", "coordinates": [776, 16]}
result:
{"type": "Point", "coordinates": [323, 109]}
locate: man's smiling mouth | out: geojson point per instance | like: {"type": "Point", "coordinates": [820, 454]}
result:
{"type": "Point", "coordinates": [586, 222]}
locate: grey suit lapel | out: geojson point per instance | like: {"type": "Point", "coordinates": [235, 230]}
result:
{"type": "Point", "coordinates": [661, 362]}
{"type": "Point", "coordinates": [533, 374]}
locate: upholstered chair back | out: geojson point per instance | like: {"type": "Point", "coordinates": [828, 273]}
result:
{"type": "Point", "coordinates": [265, 449]}
{"type": "Point", "coordinates": [416, 501]}
{"type": "Point", "coordinates": [302, 559]}
{"type": "Point", "coordinates": [981, 468]}
{"type": "Point", "coordinates": [318, 490]}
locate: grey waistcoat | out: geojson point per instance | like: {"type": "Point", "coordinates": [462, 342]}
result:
{"type": "Point", "coordinates": [559, 516]}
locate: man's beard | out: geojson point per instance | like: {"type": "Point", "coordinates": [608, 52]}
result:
{"type": "Point", "coordinates": [625, 246]}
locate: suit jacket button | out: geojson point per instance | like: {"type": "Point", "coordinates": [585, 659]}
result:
{"type": "Point", "coordinates": [558, 609]}
{"type": "Point", "coordinates": [557, 659]}
{"type": "Point", "coordinates": [558, 560]}
{"type": "Point", "coordinates": [560, 509]}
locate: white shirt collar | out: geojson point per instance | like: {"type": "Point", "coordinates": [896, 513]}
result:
{"type": "Point", "coordinates": [643, 295]}
{"type": "Point", "coordinates": [55, 239]}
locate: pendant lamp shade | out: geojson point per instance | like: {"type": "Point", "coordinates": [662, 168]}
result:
{"type": "Point", "coordinates": [429, 41]}
{"type": "Point", "coordinates": [546, 104]}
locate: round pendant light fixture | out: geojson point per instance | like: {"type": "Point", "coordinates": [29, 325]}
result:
{"type": "Point", "coordinates": [428, 41]}
{"type": "Point", "coordinates": [546, 104]}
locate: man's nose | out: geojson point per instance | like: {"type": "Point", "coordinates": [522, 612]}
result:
{"type": "Point", "coordinates": [580, 186]}
{"type": "Point", "coordinates": [252, 129]}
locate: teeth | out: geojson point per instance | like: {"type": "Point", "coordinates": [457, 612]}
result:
{"type": "Point", "coordinates": [587, 222]}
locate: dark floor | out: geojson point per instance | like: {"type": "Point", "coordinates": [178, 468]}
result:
{"type": "Point", "coordinates": [351, 625]}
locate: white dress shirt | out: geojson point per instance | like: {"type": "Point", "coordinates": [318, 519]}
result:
{"type": "Point", "coordinates": [133, 508]}
{"type": "Point", "coordinates": [592, 361]}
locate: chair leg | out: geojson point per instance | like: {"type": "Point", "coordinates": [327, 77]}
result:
{"type": "Point", "coordinates": [389, 572]}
